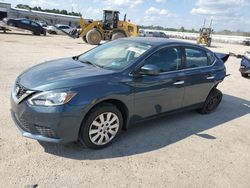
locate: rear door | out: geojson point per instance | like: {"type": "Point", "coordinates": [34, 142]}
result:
{"type": "Point", "coordinates": [200, 75]}
{"type": "Point", "coordinates": [162, 93]}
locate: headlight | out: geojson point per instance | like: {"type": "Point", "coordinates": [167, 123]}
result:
{"type": "Point", "coordinates": [51, 98]}
{"type": "Point", "coordinates": [247, 55]}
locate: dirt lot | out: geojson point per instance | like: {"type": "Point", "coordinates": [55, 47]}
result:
{"type": "Point", "coordinates": [182, 150]}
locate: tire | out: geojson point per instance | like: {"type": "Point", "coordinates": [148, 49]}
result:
{"type": "Point", "coordinates": [118, 35]}
{"type": "Point", "coordinates": [209, 42]}
{"type": "Point", "coordinates": [35, 33]}
{"type": "Point", "coordinates": [84, 39]}
{"type": "Point", "coordinates": [93, 123]}
{"type": "Point", "coordinates": [212, 102]}
{"type": "Point", "coordinates": [93, 37]}
{"type": "Point", "coordinates": [52, 32]}
{"type": "Point", "coordinates": [244, 75]}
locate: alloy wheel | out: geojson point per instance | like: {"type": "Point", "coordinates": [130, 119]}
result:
{"type": "Point", "coordinates": [104, 128]}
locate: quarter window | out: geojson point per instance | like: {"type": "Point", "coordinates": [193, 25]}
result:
{"type": "Point", "coordinates": [211, 58]}
{"type": "Point", "coordinates": [196, 58]}
{"type": "Point", "coordinates": [167, 59]}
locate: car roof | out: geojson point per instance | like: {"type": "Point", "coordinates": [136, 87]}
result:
{"type": "Point", "coordinates": [20, 19]}
{"type": "Point", "coordinates": [153, 41]}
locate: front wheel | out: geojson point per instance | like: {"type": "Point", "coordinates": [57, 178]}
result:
{"type": "Point", "coordinates": [101, 126]}
{"type": "Point", "coordinates": [93, 37]}
{"type": "Point", "coordinates": [244, 75]}
{"type": "Point", "coordinates": [84, 39]}
{"type": "Point", "coordinates": [212, 102]}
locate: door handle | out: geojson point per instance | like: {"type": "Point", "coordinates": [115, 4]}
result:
{"type": "Point", "coordinates": [180, 82]}
{"type": "Point", "coordinates": [210, 77]}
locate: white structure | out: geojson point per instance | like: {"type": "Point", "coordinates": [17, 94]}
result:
{"type": "Point", "coordinates": [49, 18]}
{"type": "Point", "coordinates": [194, 36]}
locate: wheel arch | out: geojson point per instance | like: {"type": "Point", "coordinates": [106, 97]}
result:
{"type": "Point", "coordinates": [117, 103]}
{"type": "Point", "coordinates": [119, 31]}
{"type": "Point", "coordinates": [213, 88]}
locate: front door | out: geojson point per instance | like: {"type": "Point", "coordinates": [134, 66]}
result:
{"type": "Point", "coordinates": [162, 93]}
{"type": "Point", "coordinates": [24, 24]}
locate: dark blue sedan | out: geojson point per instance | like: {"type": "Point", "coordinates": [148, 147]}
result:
{"type": "Point", "coordinates": [245, 65]}
{"type": "Point", "coordinates": [93, 96]}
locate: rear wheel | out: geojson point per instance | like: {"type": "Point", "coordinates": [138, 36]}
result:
{"type": "Point", "coordinates": [212, 102]}
{"type": "Point", "coordinates": [101, 126]}
{"type": "Point", "coordinates": [93, 37]}
{"type": "Point", "coordinates": [52, 32]}
{"type": "Point", "coordinates": [118, 35]}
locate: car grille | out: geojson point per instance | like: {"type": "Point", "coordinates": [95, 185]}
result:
{"type": "Point", "coordinates": [45, 131]}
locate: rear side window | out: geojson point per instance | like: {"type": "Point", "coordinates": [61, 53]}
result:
{"type": "Point", "coordinates": [211, 58]}
{"type": "Point", "coordinates": [167, 59]}
{"type": "Point", "coordinates": [196, 58]}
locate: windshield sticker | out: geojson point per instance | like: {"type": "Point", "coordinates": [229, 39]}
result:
{"type": "Point", "coordinates": [136, 50]}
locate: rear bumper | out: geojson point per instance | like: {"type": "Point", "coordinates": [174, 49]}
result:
{"type": "Point", "coordinates": [59, 124]}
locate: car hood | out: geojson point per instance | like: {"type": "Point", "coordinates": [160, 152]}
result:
{"type": "Point", "coordinates": [61, 73]}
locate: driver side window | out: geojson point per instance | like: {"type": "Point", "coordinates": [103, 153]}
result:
{"type": "Point", "coordinates": [167, 59]}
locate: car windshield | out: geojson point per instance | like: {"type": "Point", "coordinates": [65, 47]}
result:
{"type": "Point", "coordinates": [115, 55]}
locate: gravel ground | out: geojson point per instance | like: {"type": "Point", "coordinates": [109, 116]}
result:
{"type": "Point", "coordinates": [182, 150]}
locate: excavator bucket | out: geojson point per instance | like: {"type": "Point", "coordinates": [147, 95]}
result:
{"type": "Point", "coordinates": [82, 22]}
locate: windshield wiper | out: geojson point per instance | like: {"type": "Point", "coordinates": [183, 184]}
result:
{"type": "Point", "coordinates": [75, 58]}
{"type": "Point", "coordinates": [90, 63]}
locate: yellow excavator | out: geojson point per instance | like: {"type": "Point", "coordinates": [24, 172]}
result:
{"type": "Point", "coordinates": [110, 28]}
{"type": "Point", "coordinates": [205, 35]}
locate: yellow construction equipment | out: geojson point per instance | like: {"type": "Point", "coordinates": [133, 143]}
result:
{"type": "Point", "coordinates": [110, 28]}
{"type": "Point", "coordinates": [205, 35]}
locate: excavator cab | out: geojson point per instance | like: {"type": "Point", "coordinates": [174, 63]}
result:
{"type": "Point", "coordinates": [110, 19]}
{"type": "Point", "coordinates": [205, 31]}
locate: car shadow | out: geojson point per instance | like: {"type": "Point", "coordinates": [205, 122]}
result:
{"type": "Point", "coordinates": [158, 133]}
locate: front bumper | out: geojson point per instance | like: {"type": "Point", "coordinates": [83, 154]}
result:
{"type": "Point", "coordinates": [245, 70]}
{"type": "Point", "coordinates": [58, 124]}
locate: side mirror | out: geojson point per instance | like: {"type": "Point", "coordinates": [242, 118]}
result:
{"type": "Point", "coordinates": [150, 70]}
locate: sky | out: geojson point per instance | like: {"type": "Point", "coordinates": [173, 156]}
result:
{"type": "Point", "coordinates": [226, 14]}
